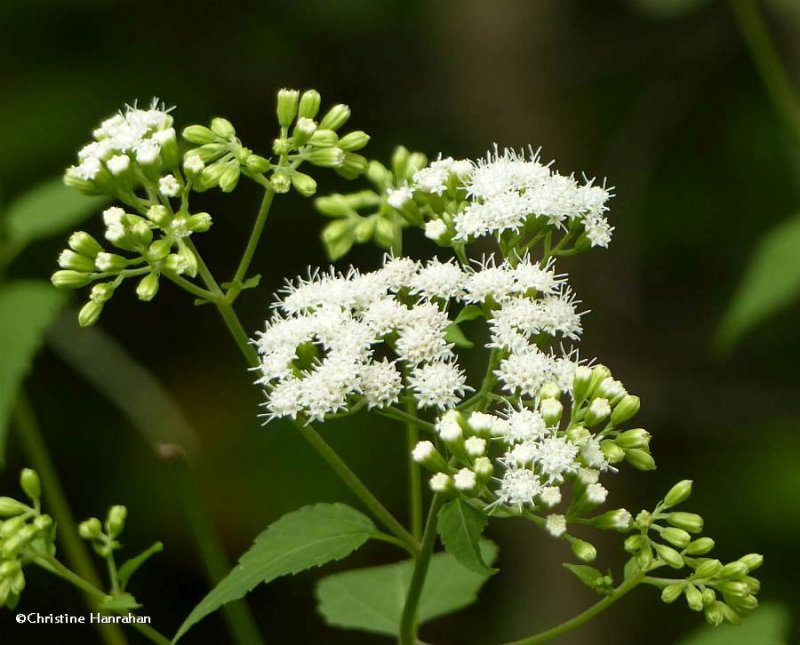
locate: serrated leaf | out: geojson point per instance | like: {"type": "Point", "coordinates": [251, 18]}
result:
{"type": "Point", "coordinates": [470, 312]}
{"type": "Point", "coordinates": [453, 334]}
{"type": "Point", "coordinates": [132, 566]}
{"type": "Point", "coordinates": [121, 602]}
{"type": "Point", "coordinates": [302, 539]}
{"type": "Point", "coordinates": [250, 283]}
{"type": "Point", "coordinates": [460, 526]}
{"type": "Point", "coordinates": [771, 281]}
{"type": "Point", "coordinates": [372, 599]}
{"type": "Point", "coordinates": [586, 574]}
{"type": "Point", "coordinates": [48, 209]}
{"type": "Point", "coordinates": [26, 310]}
{"type": "Point", "coordinates": [767, 626]}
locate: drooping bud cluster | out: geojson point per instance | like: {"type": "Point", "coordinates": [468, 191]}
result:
{"type": "Point", "coordinates": [24, 532]}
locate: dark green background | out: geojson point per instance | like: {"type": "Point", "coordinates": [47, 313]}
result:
{"type": "Point", "coordinates": [663, 102]}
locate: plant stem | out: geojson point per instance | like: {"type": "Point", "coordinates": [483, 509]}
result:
{"type": "Point", "coordinates": [238, 617]}
{"type": "Point", "coordinates": [486, 385]}
{"type": "Point", "coordinates": [252, 244]}
{"type": "Point", "coordinates": [48, 563]}
{"type": "Point", "coordinates": [414, 475]}
{"type": "Point", "coordinates": [76, 552]}
{"type": "Point", "coordinates": [357, 486]}
{"type": "Point", "coordinates": [408, 621]}
{"type": "Point", "coordinates": [587, 615]}
{"type": "Point", "coordinates": [767, 62]}
{"type": "Point", "coordinates": [394, 413]}
{"type": "Point", "coordinates": [184, 284]}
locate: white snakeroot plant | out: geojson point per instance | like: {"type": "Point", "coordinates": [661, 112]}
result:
{"type": "Point", "coordinates": [539, 438]}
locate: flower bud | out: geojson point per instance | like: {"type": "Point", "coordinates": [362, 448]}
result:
{"type": "Point", "coordinates": [257, 164]}
{"type": "Point", "coordinates": [693, 597]}
{"type": "Point", "coordinates": [599, 410]}
{"type": "Point", "coordinates": [484, 469]}
{"type": "Point", "coordinates": [599, 374]}
{"type": "Point", "coordinates": [676, 537]}
{"type": "Point", "coordinates": [89, 313]}
{"type": "Point", "coordinates": [68, 259]}
{"type": "Point", "coordinates": [612, 451]}
{"type": "Point", "coordinates": [744, 604]}
{"type": "Point", "coordinates": [583, 550]}
{"type": "Point", "coordinates": [714, 614]}
{"type": "Point", "coordinates": [635, 438]}
{"type": "Point", "coordinates": [325, 157]}
{"type": "Point", "coordinates": [335, 118]}
{"type": "Point", "coordinates": [287, 107]}
{"type": "Point", "coordinates": [147, 288]}
{"type": "Point", "coordinates": [323, 138]}
{"type": "Point", "coordinates": [210, 176]}
{"type": "Point", "coordinates": [678, 493]}
{"type": "Point", "coordinates": [169, 146]}
{"type": "Point", "coordinates": [12, 526]}
{"type": "Point", "coordinates": [734, 569]}
{"type": "Point", "coordinates": [669, 555]}
{"type": "Point", "coordinates": [90, 529]}
{"type": "Point", "coordinates": [550, 391]}
{"type": "Point", "coordinates": [84, 244]}
{"type": "Point", "coordinates": [354, 141]}
{"type": "Point", "coordinates": [708, 569]}
{"type": "Point", "coordinates": [618, 520]}
{"type": "Point", "coordinates": [753, 583]}
{"type": "Point", "coordinates": [700, 546]}
{"type": "Point", "coordinates": [10, 507]}
{"type": "Point", "coordinates": [352, 166]}
{"type": "Point", "coordinates": [475, 446]}
{"type": "Point", "coordinates": [752, 561]}
{"type": "Point", "coordinates": [229, 178]}
{"type": "Point", "coordinates": [140, 234]}
{"type": "Point", "coordinates": [441, 483]}
{"type": "Point", "coordinates": [43, 522]}
{"type": "Point", "coordinates": [199, 134]}
{"type": "Point", "coordinates": [304, 184]}
{"type": "Point", "coordinates": [691, 522]}
{"type": "Point", "coordinates": [199, 222]}
{"type": "Point", "coordinates": [640, 460]}
{"type": "Point", "coordinates": [425, 453]}
{"type": "Point", "coordinates": [551, 410]}
{"type": "Point", "coordinates": [223, 128]}
{"type": "Point", "coordinates": [66, 279]}
{"type": "Point", "coordinates": [30, 483]}
{"type": "Point", "coordinates": [733, 588]}
{"type": "Point", "coordinates": [309, 104]}
{"type": "Point", "coordinates": [465, 481]}
{"type": "Point", "coordinates": [110, 262]}
{"type": "Point", "coordinates": [280, 182]}
{"type": "Point", "coordinates": [672, 592]}
{"type": "Point", "coordinates": [303, 131]}
{"type": "Point", "coordinates": [580, 383]}
{"type": "Point", "coordinates": [101, 293]}
{"type": "Point", "coordinates": [365, 229]}
{"type": "Point", "coordinates": [625, 409]}
{"type": "Point", "coordinates": [115, 522]}
{"type": "Point", "coordinates": [579, 435]}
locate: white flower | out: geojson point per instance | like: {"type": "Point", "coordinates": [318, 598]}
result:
{"type": "Point", "coordinates": [475, 446]}
{"type": "Point", "coordinates": [550, 495]}
{"type": "Point", "coordinates": [435, 229]}
{"type": "Point", "coordinates": [118, 164]}
{"type": "Point", "coordinates": [465, 479]}
{"type": "Point", "coordinates": [525, 371]}
{"type": "Point", "coordinates": [193, 164]}
{"type": "Point", "coordinates": [525, 425]}
{"type": "Point", "coordinates": [556, 458]}
{"type": "Point", "coordinates": [440, 482]}
{"type": "Point", "coordinates": [556, 525]}
{"type": "Point", "coordinates": [438, 280]}
{"type": "Point", "coordinates": [423, 451]}
{"type": "Point", "coordinates": [448, 427]}
{"type": "Point", "coordinates": [168, 186]}
{"type": "Point", "coordinates": [596, 493]}
{"type": "Point", "coordinates": [381, 384]}
{"type": "Point", "coordinates": [518, 487]}
{"type": "Point", "coordinates": [598, 231]}
{"type": "Point", "coordinates": [104, 261]}
{"type": "Point", "coordinates": [398, 197]}
{"type": "Point", "coordinates": [438, 385]}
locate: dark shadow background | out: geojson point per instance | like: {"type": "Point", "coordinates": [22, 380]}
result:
{"type": "Point", "coordinates": [662, 101]}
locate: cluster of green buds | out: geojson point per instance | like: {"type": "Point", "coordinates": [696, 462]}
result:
{"type": "Point", "coordinates": [378, 214]}
{"type": "Point", "coordinates": [665, 537]}
{"type": "Point", "coordinates": [25, 533]}
{"type": "Point", "coordinates": [103, 536]}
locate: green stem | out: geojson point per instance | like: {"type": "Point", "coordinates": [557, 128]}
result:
{"type": "Point", "coordinates": [767, 62]}
{"type": "Point", "coordinates": [408, 621]}
{"type": "Point", "coordinates": [399, 415]}
{"type": "Point", "coordinates": [52, 565]}
{"type": "Point", "coordinates": [252, 244]}
{"type": "Point", "coordinates": [192, 288]}
{"type": "Point", "coordinates": [238, 617]}
{"type": "Point", "coordinates": [414, 475]}
{"type": "Point", "coordinates": [75, 548]}
{"type": "Point", "coordinates": [357, 486]}
{"type": "Point", "coordinates": [489, 380]}
{"type": "Point", "coordinates": [580, 619]}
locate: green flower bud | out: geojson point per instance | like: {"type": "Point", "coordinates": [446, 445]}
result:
{"type": "Point", "coordinates": [583, 550]}
{"type": "Point", "coordinates": [676, 537]}
{"type": "Point", "coordinates": [89, 313]}
{"type": "Point", "coordinates": [335, 118]}
{"type": "Point", "coordinates": [102, 292]}
{"type": "Point", "coordinates": [550, 391]}
{"type": "Point", "coordinates": [644, 558]}
{"type": "Point", "coordinates": [691, 522]}
{"type": "Point", "coordinates": [640, 460]}
{"type": "Point", "coordinates": [309, 104]}
{"type": "Point", "coordinates": [210, 176]}
{"type": "Point", "coordinates": [110, 262]}
{"type": "Point", "coordinates": [43, 522]}
{"type": "Point", "coordinates": [9, 568]}
{"type": "Point", "coordinates": [714, 614]}
{"type": "Point", "coordinates": [303, 131]}
{"type": "Point", "coordinates": [618, 520]}
{"type": "Point", "coordinates": [223, 128]}
{"type": "Point", "coordinates": [625, 409]}
{"type": "Point", "coordinates": [752, 561]}
{"type": "Point", "coordinates": [67, 279]}
{"type": "Point", "coordinates": [354, 141]}
{"type": "Point", "coordinates": [693, 597]}
{"type": "Point", "coordinates": [323, 138]}
{"type": "Point", "coordinates": [735, 569]}
{"type": "Point", "coordinates": [441, 483]}
{"type": "Point", "coordinates": [140, 234]}
{"type": "Point", "coordinates": [199, 222]}
{"type": "Point", "coordinates": [753, 583]}
{"type": "Point", "coordinates": [579, 434]}
{"type": "Point", "coordinates": [229, 178]}
{"type": "Point", "coordinates": [115, 523]}
{"type": "Point", "coordinates": [551, 410]}
{"type": "Point", "coordinates": [599, 410]}
{"type": "Point", "coordinates": [175, 263]}
{"type": "Point", "coordinates": [188, 260]}
{"type": "Point", "coordinates": [147, 288]}
{"type": "Point", "coordinates": [90, 529]}
{"type": "Point", "coordinates": [635, 438]}
{"type": "Point", "coordinates": [708, 596]}
{"type": "Point", "coordinates": [10, 507]}
{"type": "Point", "coordinates": [484, 469]}
{"type": "Point", "coordinates": [281, 146]}
{"type": "Point", "coordinates": [733, 588]}
{"type": "Point", "coordinates": [678, 494]}
{"type": "Point", "coordinates": [208, 153]}
{"type": "Point", "coordinates": [159, 250]}
{"type": "Point", "coordinates": [68, 259]}
{"type": "Point", "coordinates": [281, 182]}
{"type": "Point", "coordinates": [287, 107]}
{"type": "Point", "coordinates": [672, 592]}
{"type": "Point", "coordinates": [257, 164]}
{"type": "Point", "coordinates": [580, 383]}
{"type": "Point", "coordinates": [325, 157]}
{"type": "Point", "coordinates": [304, 184]}
{"type": "Point", "coordinates": [84, 244]}
{"type": "Point", "coordinates": [669, 555]}
{"type": "Point", "coordinates": [635, 542]}
{"type": "Point", "coordinates": [744, 604]}
{"type": "Point", "coordinates": [700, 546]}
{"type": "Point", "coordinates": [730, 615]}
{"type": "Point", "coordinates": [379, 175]}
{"type": "Point", "coordinates": [599, 374]}
{"type": "Point", "coordinates": [12, 526]}
{"type": "Point", "coordinates": [30, 483]}
{"type": "Point", "coordinates": [199, 134]}
{"type": "Point", "coordinates": [13, 545]}
{"type": "Point", "coordinates": [612, 451]}
{"type": "Point", "coordinates": [352, 166]}
{"type": "Point", "coordinates": [365, 229]}
{"type": "Point", "coordinates": [169, 146]}
{"type": "Point", "coordinates": [425, 453]}
{"type": "Point", "coordinates": [708, 569]}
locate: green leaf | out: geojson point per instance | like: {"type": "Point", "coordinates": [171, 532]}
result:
{"type": "Point", "coordinates": [250, 283]}
{"type": "Point", "coordinates": [26, 310]}
{"type": "Point", "coordinates": [372, 599]}
{"type": "Point", "coordinates": [767, 626]}
{"type": "Point", "coordinates": [308, 537]}
{"type": "Point", "coordinates": [48, 209]}
{"type": "Point", "coordinates": [132, 566]}
{"type": "Point", "coordinates": [771, 281]}
{"type": "Point", "coordinates": [120, 602]}
{"type": "Point", "coordinates": [453, 334]}
{"type": "Point", "coordinates": [460, 526]}
{"type": "Point", "coordinates": [470, 312]}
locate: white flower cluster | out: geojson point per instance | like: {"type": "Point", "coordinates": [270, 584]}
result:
{"type": "Point", "coordinates": [135, 134]}
{"type": "Point", "coordinates": [332, 336]}
{"type": "Point", "coordinates": [506, 190]}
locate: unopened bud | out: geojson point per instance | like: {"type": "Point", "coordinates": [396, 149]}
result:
{"type": "Point", "coordinates": [90, 529]}
{"type": "Point", "coordinates": [672, 592]}
{"type": "Point", "coordinates": [257, 164]}
{"type": "Point", "coordinates": [625, 409]}
{"type": "Point", "coordinates": [550, 391]}
{"type": "Point", "coordinates": [734, 569]}
{"type": "Point", "coordinates": [199, 222]}
{"type": "Point", "coordinates": [115, 522]}
{"type": "Point", "coordinates": [599, 410]}
{"type": "Point", "coordinates": [304, 184]}
{"type": "Point", "coordinates": [612, 451]}
{"type": "Point", "coordinates": [640, 459]}
{"type": "Point", "coordinates": [691, 522]}
{"type": "Point", "coordinates": [580, 383]}
{"type": "Point", "coordinates": [441, 483]}
{"type": "Point", "coordinates": [199, 134]}
{"type": "Point", "coordinates": [465, 480]}
{"type": "Point", "coordinates": [551, 410]}
{"type": "Point", "coordinates": [85, 244]}
{"type": "Point", "coordinates": [669, 555]}
{"type": "Point", "coordinates": [287, 107]}
{"type": "Point", "coordinates": [229, 178]}
{"type": "Point", "coordinates": [101, 293]}
{"type": "Point", "coordinates": [708, 569]}
{"type": "Point", "coordinates": [309, 104]}
{"type": "Point", "coordinates": [147, 288]}
{"type": "Point", "coordinates": [693, 597]}
{"type": "Point", "coordinates": [677, 537]}
{"type": "Point", "coordinates": [635, 438]}
{"type": "Point", "coordinates": [700, 546]}
{"type": "Point", "coordinates": [335, 118]}
{"type": "Point", "coordinates": [323, 138]}
{"type": "Point", "coordinates": [69, 259]}
{"type": "Point", "coordinates": [30, 483]}
{"type": "Point", "coordinates": [618, 520]}
{"type": "Point", "coordinates": [484, 469]}
{"type": "Point", "coordinates": [354, 141]}
{"type": "Point", "coordinates": [583, 550]}
{"type": "Point", "coordinates": [67, 279]}
{"type": "Point", "coordinates": [752, 561]}
{"type": "Point", "coordinates": [89, 313]}
{"type": "Point", "coordinates": [223, 128]}
{"type": "Point", "coordinates": [10, 507]}
{"type": "Point", "coordinates": [425, 453]}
